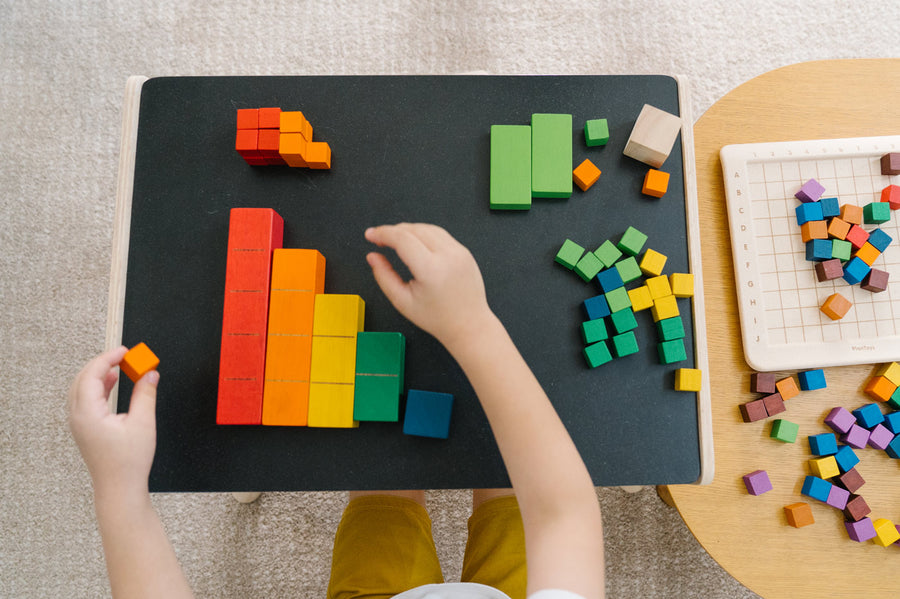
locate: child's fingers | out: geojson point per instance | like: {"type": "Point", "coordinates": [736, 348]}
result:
{"type": "Point", "coordinates": [143, 398]}
{"type": "Point", "coordinates": [402, 239]}
{"type": "Point", "coordinates": [97, 370]}
{"type": "Point", "coordinates": [392, 285]}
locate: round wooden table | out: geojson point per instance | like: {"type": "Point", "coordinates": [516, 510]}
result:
{"type": "Point", "coordinates": [749, 535]}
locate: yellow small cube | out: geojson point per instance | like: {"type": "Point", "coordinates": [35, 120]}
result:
{"type": "Point", "coordinates": [664, 307]}
{"type": "Point", "coordinates": [659, 287]}
{"type": "Point", "coordinates": [652, 263]}
{"type": "Point", "coordinates": [885, 532]}
{"type": "Point", "coordinates": [682, 284]}
{"type": "Point", "coordinates": [688, 379]}
{"type": "Point", "coordinates": [824, 467]}
{"type": "Point", "coordinates": [331, 406]}
{"type": "Point", "coordinates": [640, 298]}
{"type": "Point", "coordinates": [891, 372]}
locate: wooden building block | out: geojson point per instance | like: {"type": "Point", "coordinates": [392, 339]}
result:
{"type": "Point", "coordinates": [885, 532]}
{"type": "Point", "coordinates": [640, 298]}
{"type": "Point", "coordinates": [653, 136]}
{"type": "Point", "coordinates": [824, 467]}
{"type": "Point", "coordinates": [247, 118]}
{"type": "Point", "coordinates": [784, 431]}
{"type": "Point", "coordinates": [569, 254]}
{"type": "Point", "coordinates": [670, 328]}
{"type": "Point", "coordinates": [246, 143]}
{"type": "Point", "coordinates": [588, 266]}
{"type": "Point", "coordinates": [879, 239]}
{"type": "Point", "coordinates": [867, 253]}
{"type": "Point", "coordinates": [830, 207]}
{"type": "Point", "coordinates": [269, 143]}
{"type": "Point", "coordinates": [890, 163]}
{"type": "Point", "coordinates": [890, 371]}
{"type": "Point", "coordinates": [836, 306]}
{"type": "Point", "coordinates": [628, 269]}
{"type": "Point", "coordinates": [659, 287]}
{"type": "Point", "coordinates": [653, 263]}
{"type": "Point", "coordinates": [823, 444]}
{"type": "Point", "coordinates": [891, 196]}
{"type": "Point", "coordinates": [838, 228]}
{"type": "Point", "coordinates": [585, 175]}
{"type": "Point", "coordinates": [625, 344]}
{"type": "Point", "coordinates": [814, 229]}
{"type": "Point", "coordinates": [799, 514]}
{"type": "Point", "coordinates": [664, 307]}
{"type": "Point", "coordinates": [837, 497]}
{"type": "Point", "coordinates": [551, 155]}
{"type": "Point", "coordinates": [269, 118]}
{"type": "Point", "coordinates": [876, 281]}
{"type": "Point", "coordinates": [688, 379]}
{"type": "Point", "coordinates": [810, 380]}
{"type": "Point", "coordinates": [819, 249]}
{"type": "Point", "coordinates": [880, 387]}
{"type": "Point", "coordinates": [294, 122]}
{"type": "Point", "coordinates": [510, 167]}
{"type": "Point", "coordinates": [671, 351]}
{"type": "Point", "coordinates": [656, 183]}
{"type": "Point", "coordinates": [138, 361]}
{"type": "Point", "coordinates": [840, 420]}
{"type": "Point", "coordinates": [618, 299]}
{"type": "Point", "coordinates": [809, 212]}
{"type": "Point", "coordinates": [331, 406]}
{"type": "Point", "coordinates": [610, 279]}
{"type": "Point", "coordinates": [428, 414]}
{"type": "Point", "coordinates": [632, 242]}
{"type": "Point", "coordinates": [880, 437]}
{"type": "Point", "coordinates": [292, 148]}
{"type": "Point", "coordinates": [868, 416]}
{"type": "Point", "coordinates": [596, 307]}
{"type": "Point", "coordinates": [861, 530]}
{"type": "Point", "coordinates": [856, 508]}
{"type": "Point", "coordinates": [851, 480]}
{"type": "Point", "coordinates": [857, 236]}
{"type": "Point", "coordinates": [318, 155]}
{"type": "Point", "coordinates": [608, 253]}
{"type": "Point", "coordinates": [623, 320]}
{"type": "Point", "coordinates": [597, 354]}
{"type": "Point", "coordinates": [380, 371]}
{"type": "Point", "coordinates": [876, 213]}
{"type": "Point", "coordinates": [596, 132]}
{"type": "Point", "coordinates": [253, 235]}
{"type": "Point", "coordinates": [787, 387]}
{"type": "Point", "coordinates": [852, 214]}
{"type": "Point", "coordinates": [593, 331]}
{"type": "Point", "coordinates": [815, 487]}
{"type": "Point", "coordinates": [810, 191]}
{"type": "Point", "coordinates": [753, 411]}
{"type": "Point", "coordinates": [757, 482]}
{"type": "Point", "coordinates": [774, 404]}
{"type": "Point", "coordinates": [828, 270]}
{"type": "Point", "coordinates": [762, 382]}
{"type": "Point", "coordinates": [855, 271]}
{"type": "Point", "coordinates": [841, 249]}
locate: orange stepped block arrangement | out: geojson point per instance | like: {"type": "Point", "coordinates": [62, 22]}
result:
{"type": "Point", "coordinates": [270, 136]}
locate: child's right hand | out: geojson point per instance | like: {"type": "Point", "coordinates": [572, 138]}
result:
{"type": "Point", "coordinates": [446, 295]}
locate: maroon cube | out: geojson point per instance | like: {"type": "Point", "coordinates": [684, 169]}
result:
{"type": "Point", "coordinates": [754, 410]}
{"type": "Point", "coordinates": [774, 404]}
{"type": "Point", "coordinates": [890, 164]}
{"type": "Point", "coordinates": [876, 281]}
{"type": "Point", "coordinates": [762, 382]}
{"type": "Point", "coordinates": [851, 480]}
{"type": "Point", "coordinates": [856, 508]}
{"type": "Point", "coordinates": [828, 270]}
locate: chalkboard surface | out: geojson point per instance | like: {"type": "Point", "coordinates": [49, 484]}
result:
{"type": "Point", "coordinates": [404, 149]}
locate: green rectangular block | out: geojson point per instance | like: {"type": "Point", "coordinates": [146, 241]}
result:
{"type": "Point", "coordinates": [670, 328]}
{"type": "Point", "coordinates": [510, 167]}
{"type": "Point", "coordinates": [551, 155]}
{"type": "Point", "coordinates": [380, 369]}
{"type": "Point", "coordinates": [629, 269]}
{"type": "Point", "coordinates": [608, 253]}
{"type": "Point", "coordinates": [588, 267]}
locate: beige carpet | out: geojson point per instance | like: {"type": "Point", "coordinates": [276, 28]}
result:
{"type": "Point", "coordinates": [63, 66]}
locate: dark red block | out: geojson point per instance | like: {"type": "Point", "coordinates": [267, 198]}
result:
{"type": "Point", "coordinates": [850, 480]}
{"type": "Point", "coordinates": [876, 281]}
{"type": "Point", "coordinates": [857, 508]}
{"type": "Point", "coordinates": [890, 164]}
{"type": "Point", "coordinates": [762, 382]}
{"type": "Point", "coordinates": [774, 404]}
{"type": "Point", "coordinates": [754, 410]}
{"type": "Point", "coordinates": [828, 270]}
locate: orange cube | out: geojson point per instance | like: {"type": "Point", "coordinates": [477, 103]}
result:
{"type": "Point", "coordinates": [138, 361]}
{"type": "Point", "coordinates": [881, 388]}
{"type": "Point", "coordinates": [318, 155]}
{"type": "Point", "coordinates": [799, 514]}
{"type": "Point", "coordinates": [852, 214]}
{"type": "Point", "coordinates": [838, 228]}
{"type": "Point", "coordinates": [814, 229]}
{"type": "Point", "coordinates": [294, 122]}
{"type": "Point", "coordinates": [585, 175]}
{"type": "Point", "coordinates": [787, 388]}
{"type": "Point", "coordinates": [656, 183]}
{"type": "Point", "coordinates": [291, 147]}
{"type": "Point", "coordinates": [836, 306]}
{"type": "Point", "coordinates": [868, 253]}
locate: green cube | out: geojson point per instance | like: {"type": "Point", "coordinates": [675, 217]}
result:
{"type": "Point", "coordinates": [784, 430]}
{"type": "Point", "coordinates": [625, 344]}
{"type": "Point", "coordinates": [608, 253]}
{"type": "Point", "coordinates": [841, 249]}
{"type": "Point", "coordinates": [670, 328]}
{"type": "Point", "coordinates": [596, 132]}
{"type": "Point", "coordinates": [588, 267]}
{"type": "Point", "coordinates": [569, 254]}
{"type": "Point", "coordinates": [876, 213]}
{"type": "Point", "coordinates": [632, 241]}
{"type": "Point", "coordinates": [510, 167]}
{"type": "Point", "coordinates": [623, 320]}
{"type": "Point", "coordinates": [629, 269]}
{"type": "Point", "coordinates": [618, 299]}
{"type": "Point", "coordinates": [671, 351]}
{"type": "Point", "coordinates": [380, 366]}
{"type": "Point", "coordinates": [597, 354]}
{"type": "Point", "coordinates": [593, 331]}
{"type": "Point", "coordinates": [551, 155]}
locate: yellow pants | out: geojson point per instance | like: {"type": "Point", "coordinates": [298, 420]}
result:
{"type": "Point", "coordinates": [384, 546]}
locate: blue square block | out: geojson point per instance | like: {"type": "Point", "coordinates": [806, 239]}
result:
{"type": "Point", "coordinates": [823, 444]}
{"type": "Point", "coordinates": [893, 448]}
{"type": "Point", "coordinates": [879, 239]}
{"type": "Point", "coordinates": [610, 279]}
{"type": "Point", "coordinates": [830, 207]}
{"type": "Point", "coordinates": [811, 380]}
{"type": "Point", "coordinates": [846, 458]}
{"type": "Point", "coordinates": [427, 414]}
{"type": "Point", "coordinates": [818, 249]}
{"type": "Point", "coordinates": [808, 212]}
{"type": "Point", "coordinates": [892, 422]}
{"type": "Point", "coordinates": [817, 488]}
{"type": "Point", "coordinates": [855, 271]}
{"type": "Point", "coordinates": [596, 307]}
{"type": "Point", "coordinates": [868, 415]}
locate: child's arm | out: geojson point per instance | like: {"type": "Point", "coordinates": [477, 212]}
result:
{"type": "Point", "coordinates": [446, 297]}
{"type": "Point", "coordinates": [118, 450]}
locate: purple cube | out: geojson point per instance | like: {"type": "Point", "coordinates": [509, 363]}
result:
{"type": "Point", "coordinates": [861, 531]}
{"type": "Point", "coordinates": [810, 191]}
{"type": "Point", "coordinates": [757, 482]}
{"type": "Point", "coordinates": [840, 420]}
{"type": "Point", "coordinates": [880, 437]}
{"type": "Point", "coordinates": [857, 437]}
{"type": "Point", "coordinates": [837, 497]}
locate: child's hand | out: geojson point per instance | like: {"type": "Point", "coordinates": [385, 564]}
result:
{"type": "Point", "coordinates": [117, 448]}
{"type": "Point", "coordinates": [446, 295]}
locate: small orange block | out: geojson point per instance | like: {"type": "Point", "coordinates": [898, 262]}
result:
{"type": "Point", "coordinates": [799, 514]}
{"type": "Point", "coordinates": [836, 306]}
{"type": "Point", "coordinates": [138, 361]}
{"type": "Point", "coordinates": [814, 229]}
{"type": "Point", "coordinates": [852, 214]}
{"type": "Point", "coordinates": [294, 122]}
{"type": "Point", "coordinates": [318, 155]}
{"type": "Point", "coordinates": [656, 183]}
{"type": "Point", "coordinates": [838, 228]}
{"type": "Point", "coordinates": [291, 148]}
{"type": "Point", "coordinates": [585, 175]}
{"type": "Point", "coordinates": [868, 253]}
{"type": "Point", "coordinates": [881, 388]}
{"type": "Point", "coordinates": [787, 387]}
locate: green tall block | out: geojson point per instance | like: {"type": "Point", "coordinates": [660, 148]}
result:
{"type": "Point", "coordinates": [551, 155]}
{"type": "Point", "coordinates": [380, 369]}
{"type": "Point", "coordinates": [510, 167]}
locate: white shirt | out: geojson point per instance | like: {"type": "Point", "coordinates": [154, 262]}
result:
{"type": "Point", "coordinates": [471, 590]}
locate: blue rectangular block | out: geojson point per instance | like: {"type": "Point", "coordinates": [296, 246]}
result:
{"type": "Point", "coordinates": [846, 458]}
{"type": "Point", "coordinates": [811, 380]}
{"type": "Point", "coordinates": [817, 488]}
{"type": "Point", "coordinates": [868, 415]}
{"type": "Point", "coordinates": [855, 271]}
{"type": "Point", "coordinates": [879, 239]}
{"type": "Point", "coordinates": [823, 444]}
{"type": "Point", "coordinates": [818, 249]}
{"type": "Point", "coordinates": [610, 279]}
{"type": "Point", "coordinates": [808, 212]}
{"type": "Point", "coordinates": [830, 207]}
{"type": "Point", "coordinates": [428, 414]}
{"type": "Point", "coordinates": [596, 307]}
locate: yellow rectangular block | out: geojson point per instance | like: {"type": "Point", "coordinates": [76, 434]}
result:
{"type": "Point", "coordinates": [340, 315]}
{"type": "Point", "coordinates": [682, 284]}
{"type": "Point", "coordinates": [688, 379]}
{"type": "Point", "coordinates": [333, 360]}
{"type": "Point", "coordinates": [331, 406]}
{"type": "Point", "coordinates": [653, 263]}
{"type": "Point", "coordinates": [640, 298]}
{"type": "Point", "coordinates": [659, 287]}
{"type": "Point", "coordinates": [664, 307]}
{"type": "Point", "coordinates": [824, 467]}
{"type": "Point", "coordinates": [891, 372]}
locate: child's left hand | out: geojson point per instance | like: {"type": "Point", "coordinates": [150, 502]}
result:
{"type": "Point", "coordinates": [117, 448]}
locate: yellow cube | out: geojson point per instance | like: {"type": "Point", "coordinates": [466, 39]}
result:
{"type": "Point", "coordinates": [338, 315]}
{"type": "Point", "coordinates": [659, 287]}
{"type": "Point", "coordinates": [891, 372]}
{"type": "Point", "coordinates": [331, 406]}
{"type": "Point", "coordinates": [652, 263]}
{"type": "Point", "coordinates": [682, 284]}
{"type": "Point", "coordinates": [688, 379]}
{"type": "Point", "coordinates": [824, 467]}
{"type": "Point", "coordinates": [640, 298]}
{"type": "Point", "coordinates": [885, 532]}
{"type": "Point", "coordinates": [664, 307]}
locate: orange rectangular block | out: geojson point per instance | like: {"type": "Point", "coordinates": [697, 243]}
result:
{"type": "Point", "coordinates": [868, 253]}
{"type": "Point", "coordinates": [787, 387]}
{"type": "Point", "coordinates": [814, 229]}
{"type": "Point", "coordinates": [838, 228]}
{"type": "Point", "coordinates": [880, 387]}
{"type": "Point", "coordinates": [138, 361]}
{"type": "Point", "coordinates": [656, 183]}
{"type": "Point", "coordinates": [318, 155]}
{"type": "Point", "coordinates": [585, 175]}
{"type": "Point", "coordinates": [852, 214]}
{"type": "Point", "coordinates": [836, 306]}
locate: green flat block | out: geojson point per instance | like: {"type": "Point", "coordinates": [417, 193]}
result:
{"type": "Point", "coordinates": [593, 331]}
{"type": "Point", "coordinates": [569, 254]}
{"type": "Point", "coordinates": [588, 267]}
{"type": "Point", "coordinates": [510, 167]}
{"type": "Point", "coordinates": [596, 132]}
{"type": "Point", "coordinates": [629, 269]}
{"type": "Point", "coordinates": [623, 320]}
{"type": "Point", "coordinates": [785, 431]}
{"type": "Point", "coordinates": [608, 253]}
{"type": "Point", "coordinates": [632, 241]}
{"type": "Point", "coordinates": [625, 344]}
{"type": "Point", "coordinates": [597, 354]}
{"type": "Point", "coordinates": [670, 328]}
{"type": "Point", "coordinates": [671, 351]}
{"type": "Point", "coordinates": [876, 213]}
{"type": "Point", "coordinates": [841, 249]}
{"type": "Point", "coordinates": [380, 370]}
{"type": "Point", "coordinates": [376, 399]}
{"type": "Point", "coordinates": [551, 155]}
{"type": "Point", "coordinates": [618, 299]}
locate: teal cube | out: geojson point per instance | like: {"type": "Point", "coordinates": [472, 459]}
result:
{"type": "Point", "coordinates": [876, 213]}
{"type": "Point", "coordinates": [785, 431]}
{"type": "Point", "coordinates": [588, 267]}
{"type": "Point", "coordinates": [596, 132]}
{"type": "Point", "coordinates": [632, 242]}
{"type": "Point", "coordinates": [670, 328]}
{"type": "Point", "coordinates": [625, 344]}
{"type": "Point", "coordinates": [597, 354]}
{"type": "Point", "coordinates": [841, 249]}
{"type": "Point", "coordinates": [894, 401]}
{"type": "Point", "coordinates": [671, 351]}
{"type": "Point", "coordinates": [593, 331]}
{"type": "Point", "coordinates": [608, 253]}
{"type": "Point", "coordinates": [569, 254]}
{"type": "Point", "coordinates": [623, 320]}
{"type": "Point", "coordinates": [629, 269]}
{"type": "Point", "coordinates": [618, 299]}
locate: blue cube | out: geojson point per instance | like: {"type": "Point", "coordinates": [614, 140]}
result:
{"type": "Point", "coordinates": [596, 307]}
{"type": "Point", "coordinates": [830, 207]}
{"type": "Point", "coordinates": [819, 249]}
{"type": "Point", "coordinates": [892, 422]}
{"type": "Point", "coordinates": [811, 380]}
{"type": "Point", "coordinates": [855, 270]}
{"type": "Point", "coordinates": [427, 414]}
{"type": "Point", "coordinates": [610, 279]}
{"type": "Point", "coordinates": [823, 444]}
{"type": "Point", "coordinates": [808, 212]}
{"type": "Point", "coordinates": [846, 458]}
{"type": "Point", "coordinates": [879, 239]}
{"type": "Point", "coordinates": [817, 488]}
{"type": "Point", "coordinates": [893, 448]}
{"type": "Point", "coordinates": [868, 415]}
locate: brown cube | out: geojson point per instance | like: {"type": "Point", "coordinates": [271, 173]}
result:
{"type": "Point", "coordinates": [876, 281]}
{"type": "Point", "coordinates": [754, 410]}
{"type": "Point", "coordinates": [890, 164]}
{"type": "Point", "coordinates": [857, 508]}
{"type": "Point", "coordinates": [828, 270]}
{"type": "Point", "coordinates": [762, 382]}
{"type": "Point", "coordinates": [774, 404]}
{"type": "Point", "coordinates": [851, 480]}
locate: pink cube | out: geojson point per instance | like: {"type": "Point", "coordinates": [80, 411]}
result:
{"type": "Point", "coordinates": [758, 482]}
{"type": "Point", "coordinates": [857, 437]}
{"type": "Point", "coordinates": [880, 437]}
{"type": "Point", "coordinates": [810, 191]}
{"type": "Point", "coordinates": [837, 497]}
{"type": "Point", "coordinates": [860, 531]}
{"type": "Point", "coordinates": [840, 420]}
